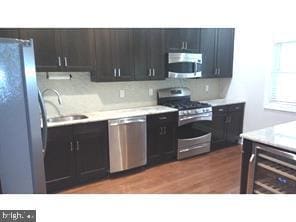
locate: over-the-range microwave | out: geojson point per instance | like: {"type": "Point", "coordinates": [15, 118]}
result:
{"type": "Point", "coordinates": [184, 65]}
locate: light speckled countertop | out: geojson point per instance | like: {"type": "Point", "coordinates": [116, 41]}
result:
{"type": "Point", "coordinates": [222, 102]}
{"type": "Point", "coordinates": [282, 136]}
{"type": "Point", "coordinates": [115, 114]}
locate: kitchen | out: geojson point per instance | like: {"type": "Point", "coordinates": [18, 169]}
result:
{"type": "Point", "coordinates": [85, 114]}
{"type": "Point", "coordinates": [136, 103]}
{"type": "Point", "coordinates": [120, 120]}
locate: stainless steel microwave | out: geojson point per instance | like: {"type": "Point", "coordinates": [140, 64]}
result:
{"type": "Point", "coordinates": [184, 65]}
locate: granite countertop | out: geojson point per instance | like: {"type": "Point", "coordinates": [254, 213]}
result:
{"type": "Point", "coordinates": [222, 102]}
{"type": "Point", "coordinates": [115, 114]}
{"type": "Point", "coordinates": [282, 136]}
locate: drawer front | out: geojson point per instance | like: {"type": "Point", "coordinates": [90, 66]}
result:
{"type": "Point", "coordinates": [59, 133]}
{"type": "Point", "coordinates": [220, 109]}
{"type": "Point", "coordinates": [163, 117]}
{"type": "Point", "coordinates": [95, 127]}
{"type": "Point", "coordinates": [236, 107]}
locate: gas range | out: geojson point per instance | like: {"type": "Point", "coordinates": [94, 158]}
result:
{"type": "Point", "coordinates": [189, 107]}
{"type": "Point", "coordinates": [193, 135]}
{"type": "Point", "coordinates": [180, 98]}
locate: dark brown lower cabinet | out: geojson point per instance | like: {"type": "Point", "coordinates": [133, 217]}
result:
{"type": "Point", "coordinates": [227, 125]}
{"type": "Point", "coordinates": [76, 154]}
{"type": "Point", "coordinates": [161, 138]}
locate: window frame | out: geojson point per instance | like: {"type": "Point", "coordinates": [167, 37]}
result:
{"type": "Point", "coordinates": [269, 103]}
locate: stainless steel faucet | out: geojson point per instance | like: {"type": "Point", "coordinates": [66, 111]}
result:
{"type": "Point", "coordinates": [56, 92]}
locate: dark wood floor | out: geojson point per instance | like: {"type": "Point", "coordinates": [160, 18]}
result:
{"type": "Point", "coordinates": [216, 172]}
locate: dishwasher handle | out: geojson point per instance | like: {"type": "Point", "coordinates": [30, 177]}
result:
{"type": "Point", "coordinates": [124, 121]}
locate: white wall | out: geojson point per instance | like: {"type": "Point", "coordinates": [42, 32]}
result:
{"type": "Point", "coordinates": [252, 64]}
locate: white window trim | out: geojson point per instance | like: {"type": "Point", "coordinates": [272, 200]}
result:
{"type": "Point", "coordinates": [268, 103]}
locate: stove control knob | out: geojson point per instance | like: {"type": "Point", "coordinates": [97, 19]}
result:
{"type": "Point", "coordinates": [185, 112]}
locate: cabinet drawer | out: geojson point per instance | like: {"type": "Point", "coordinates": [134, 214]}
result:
{"type": "Point", "coordinates": [60, 133]}
{"type": "Point", "coordinates": [96, 127]}
{"type": "Point", "coordinates": [236, 107]}
{"type": "Point", "coordinates": [220, 109]}
{"type": "Point", "coordinates": [163, 117]}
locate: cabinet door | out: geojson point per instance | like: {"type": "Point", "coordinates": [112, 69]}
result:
{"type": "Point", "coordinates": [191, 38]}
{"type": "Point", "coordinates": [122, 50]}
{"type": "Point", "coordinates": [141, 53]}
{"type": "Point", "coordinates": [234, 122]}
{"type": "Point", "coordinates": [9, 33]}
{"type": "Point", "coordinates": [105, 64]}
{"type": "Point", "coordinates": [225, 45]}
{"type": "Point", "coordinates": [161, 137]}
{"type": "Point", "coordinates": [91, 144]}
{"type": "Point", "coordinates": [173, 39]}
{"type": "Point", "coordinates": [156, 54]}
{"type": "Point", "coordinates": [154, 154]}
{"type": "Point", "coordinates": [78, 49]}
{"type": "Point", "coordinates": [208, 50]}
{"type": "Point", "coordinates": [59, 159]}
{"type": "Point", "coordinates": [47, 47]}
{"type": "Point", "coordinates": [168, 142]}
{"type": "Point", "coordinates": [219, 127]}
{"type": "Point", "coordinates": [182, 39]}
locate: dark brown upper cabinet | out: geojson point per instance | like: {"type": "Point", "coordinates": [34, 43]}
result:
{"type": "Point", "coordinates": [62, 49]}
{"type": "Point", "coordinates": [114, 55]}
{"type": "Point", "coordinates": [217, 51]}
{"type": "Point", "coordinates": [149, 54]}
{"type": "Point", "coordinates": [78, 49]}
{"type": "Point", "coordinates": [46, 47]}
{"type": "Point", "coordinates": [9, 33]}
{"type": "Point", "coordinates": [182, 38]}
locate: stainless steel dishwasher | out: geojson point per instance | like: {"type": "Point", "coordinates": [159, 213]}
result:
{"type": "Point", "coordinates": [127, 143]}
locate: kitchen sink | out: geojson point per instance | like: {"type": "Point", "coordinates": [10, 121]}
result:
{"type": "Point", "coordinates": [66, 118]}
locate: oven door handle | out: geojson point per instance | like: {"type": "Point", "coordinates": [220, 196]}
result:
{"type": "Point", "coordinates": [188, 119]}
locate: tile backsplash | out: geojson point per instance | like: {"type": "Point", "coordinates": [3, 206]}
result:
{"type": "Point", "coordinates": [80, 95]}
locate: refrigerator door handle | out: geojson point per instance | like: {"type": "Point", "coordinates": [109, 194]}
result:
{"type": "Point", "coordinates": [44, 122]}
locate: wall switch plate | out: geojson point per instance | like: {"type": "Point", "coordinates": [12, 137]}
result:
{"type": "Point", "coordinates": [207, 88]}
{"type": "Point", "coordinates": [121, 93]}
{"type": "Point", "coordinates": [150, 92]}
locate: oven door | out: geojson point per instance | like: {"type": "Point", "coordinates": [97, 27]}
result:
{"type": "Point", "coordinates": [184, 65]}
{"type": "Point", "coordinates": [194, 138]}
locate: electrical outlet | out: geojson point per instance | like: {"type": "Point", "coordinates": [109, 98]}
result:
{"type": "Point", "coordinates": [207, 88]}
{"type": "Point", "coordinates": [121, 93]}
{"type": "Point", "coordinates": [150, 92]}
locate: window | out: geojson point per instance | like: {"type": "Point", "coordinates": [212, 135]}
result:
{"type": "Point", "coordinates": [282, 86]}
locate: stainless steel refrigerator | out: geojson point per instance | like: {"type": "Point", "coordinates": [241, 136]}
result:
{"type": "Point", "coordinates": [21, 140]}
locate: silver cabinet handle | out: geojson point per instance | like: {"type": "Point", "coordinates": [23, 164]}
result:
{"type": "Point", "coordinates": [153, 73]}
{"type": "Point", "coordinates": [119, 72]}
{"type": "Point", "coordinates": [186, 45]}
{"type": "Point", "coordinates": [71, 146]}
{"type": "Point", "coordinates": [66, 61]}
{"type": "Point", "coordinates": [215, 71]}
{"type": "Point", "coordinates": [114, 72]}
{"type": "Point", "coordinates": [183, 45]}
{"type": "Point", "coordinates": [149, 72]}
{"type": "Point", "coordinates": [218, 71]}
{"type": "Point", "coordinates": [59, 61]}
{"type": "Point", "coordinates": [77, 145]}
{"type": "Point", "coordinates": [160, 131]}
